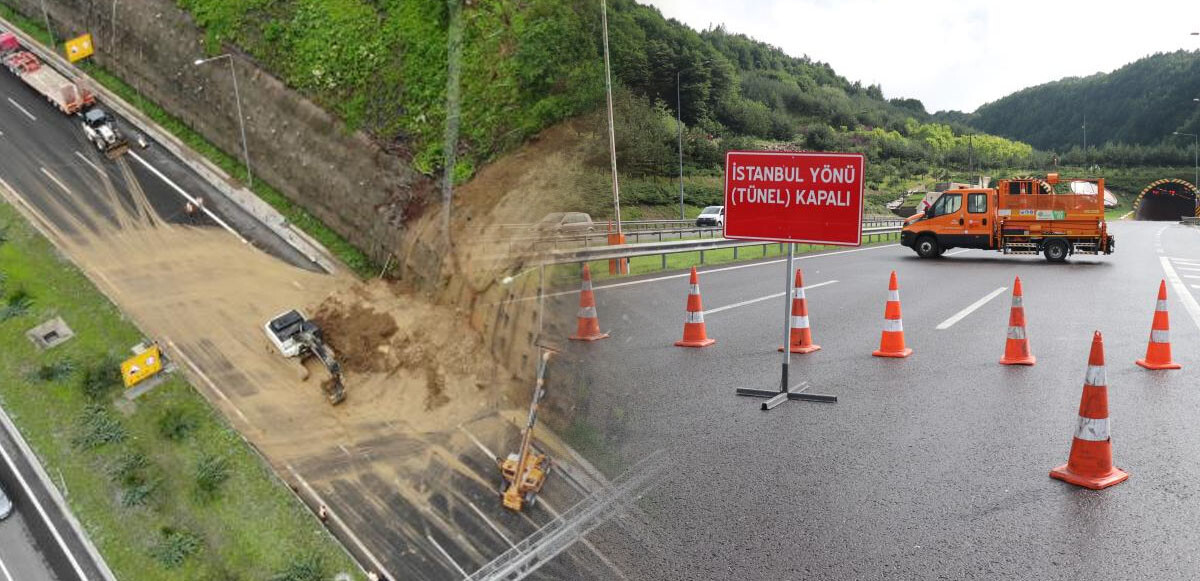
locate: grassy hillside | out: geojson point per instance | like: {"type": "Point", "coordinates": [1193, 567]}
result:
{"type": "Point", "coordinates": [1137, 105]}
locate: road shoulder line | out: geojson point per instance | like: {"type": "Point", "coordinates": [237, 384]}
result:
{"type": "Point", "coordinates": [56, 496]}
{"type": "Point", "coordinates": [1185, 296]}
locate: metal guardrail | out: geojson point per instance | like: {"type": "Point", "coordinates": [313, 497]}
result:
{"type": "Point", "coordinates": [1190, 220]}
{"type": "Point", "coordinates": [578, 255]}
{"type": "Point", "coordinates": [630, 227]}
{"type": "Point", "coordinates": [601, 238]}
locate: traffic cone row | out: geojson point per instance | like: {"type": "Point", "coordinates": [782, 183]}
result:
{"type": "Point", "coordinates": [891, 342]}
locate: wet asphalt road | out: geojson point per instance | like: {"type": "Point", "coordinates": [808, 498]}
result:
{"type": "Point", "coordinates": [46, 159]}
{"type": "Point", "coordinates": [935, 466]}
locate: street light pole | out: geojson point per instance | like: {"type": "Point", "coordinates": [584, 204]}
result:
{"type": "Point", "coordinates": [612, 136]}
{"type": "Point", "coordinates": [237, 96]}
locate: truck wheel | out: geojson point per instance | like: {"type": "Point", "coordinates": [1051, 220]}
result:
{"type": "Point", "coordinates": [927, 247]}
{"type": "Point", "coordinates": [1056, 250]}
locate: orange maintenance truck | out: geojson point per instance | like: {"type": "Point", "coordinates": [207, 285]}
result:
{"type": "Point", "coordinates": [1018, 216]}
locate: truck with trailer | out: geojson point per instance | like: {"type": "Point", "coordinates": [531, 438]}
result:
{"type": "Point", "coordinates": [1018, 216]}
{"type": "Point", "coordinates": [66, 95]}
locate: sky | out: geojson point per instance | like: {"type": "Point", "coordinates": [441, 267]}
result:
{"type": "Point", "coordinates": [955, 54]}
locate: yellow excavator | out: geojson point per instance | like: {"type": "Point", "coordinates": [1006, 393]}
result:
{"type": "Point", "coordinates": [523, 473]}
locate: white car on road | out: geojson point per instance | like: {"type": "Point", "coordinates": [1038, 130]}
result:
{"type": "Point", "coordinates": [711, 216]}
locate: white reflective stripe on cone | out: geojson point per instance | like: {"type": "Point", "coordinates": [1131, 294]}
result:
{"type": "Point", "coordinates": [1091, 429]}
{"type": "Point", "coordinates": [587, 312]}
{"type": "Point", "coordinates": [1017, 333]}
{"type": "Point", "coordinates": [798, 293]}
{"type": "Point", "coordinates": [893, 325]}
{"type": "Point", "coordinates": [696, 317]}
{"type": "Point", "coordinates": [1161, 305]}
{"type": "Point", "coordinates": [894, 296]}
{"type": "Point", "coordinates": [799, 322]}
{"type": "Point", "coordinates": [694, 289]}
{"type": "Point", "coordinates": [1018, 301]}
{"type": "Point", "coordinates": [587, 285]}
{"type": "Point", "coordinates": [1160, 336]}
{"type": "Point", "coordinates": [1096, 376]}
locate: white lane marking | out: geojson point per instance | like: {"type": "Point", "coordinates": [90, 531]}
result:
{"type": "Point", "coordinates": [1126, 215]}
{"type": "Point", "coordinates": [42, 511]}
{"type": "Point", "coordinates": [56, 181]}
{"type": "Point", "coordinates": [195, 369]}
{"type": "Point", "coordinates": [446, 555]}
{"type": "Point", "coordinates": [1185, 297]}
{"type": "Point", "coordinates": [970, 309]}
{"type": "Point", "coordinates": [1190, 268]}
{"type": "Point", "coordinates": [1195, 286]}
{"type": "Point", "coordinates": [89, 162]}
{"type": "Point", "coordinates": [338, 520]}
{"type": "Point", "coordinates": [491, 524]}
{"type": "Point", "coordinates": [959, 251]}
{"type": "Point", "coordinates": [4, 570]}
{"type": "Point", "coordinates": [22, 109]}
{"type": "Point", "coordinates": [1191, 276]}
{"type": "Point", "coordinates": [489, 453]}
{"type": "Point", "coordinates": [188, 197]}
{"type": "Point", "coordinates": [761, 299]}
{"type": "Point", "coordinates": [710, 271]}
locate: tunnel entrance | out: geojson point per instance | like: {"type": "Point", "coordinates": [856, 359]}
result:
{"type": "Point", "coordinates": [1166, 200]}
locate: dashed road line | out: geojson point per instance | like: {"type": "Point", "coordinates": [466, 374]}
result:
{"type": "Point", "coordinates": [4, 570]}
{"type": "Point", "coordinates": [485, 449]}
{"type": "Point", "coordinates": [959, 251]}
{"type": "Point", "coordinates": [446, 555]}
{"type": "Point", "coordinates": [970, 309]}
{"type": "Point", "coordinates": [22, 109]}
{"type": "Point", "coordinates": [57, 182]}
{"type": "Point", "coordinates": [89, 162]}
{"type": "Point", "coordinates": [491, 524]}
{"type": "Point", "coordinates": [188, 197]}
{"type": "Point", "coordinates": [1185, 297]}
{"type": "Point", "coordinates": [766, 298]}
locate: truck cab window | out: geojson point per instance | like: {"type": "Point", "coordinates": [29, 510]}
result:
{"type": "Point", "coordinates": [977, 203]}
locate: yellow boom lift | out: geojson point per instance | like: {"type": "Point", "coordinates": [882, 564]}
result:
{"type": "Point", "coordinates": [523, 473]}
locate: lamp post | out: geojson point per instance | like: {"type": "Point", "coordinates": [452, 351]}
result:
{"type": "Point", "coordinates": [241, 119]}
{"type": "Point", "coordinates": [1195, 154]}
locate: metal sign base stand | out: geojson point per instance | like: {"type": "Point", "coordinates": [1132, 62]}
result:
{"type": "Point", "coordinates": [785, 393]}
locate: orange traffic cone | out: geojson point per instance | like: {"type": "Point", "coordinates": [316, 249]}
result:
{"type": "Point", "coordinates": [1090, 464]}
{"type": "Point", "coordinates": [801, 339]}
{"type": "Point", "coordinates": [891, 344]}
{"type": "Point", "coordinates": [1158, 352]}
{"type": "Point", "coordinates": [694, 333]}
{"type": "Point", "coordinates": [1016, 348]}
{"type": "Point", "coordinates": [589, 326]}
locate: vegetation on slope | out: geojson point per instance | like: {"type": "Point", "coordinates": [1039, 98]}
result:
{"type": "Point", "coordinates": [1130, 113]}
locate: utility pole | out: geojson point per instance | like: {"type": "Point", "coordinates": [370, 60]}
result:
{"type": "Point", "coordinates": [50, 31]}
{"type": "Point", "coordinates": [679, 123]}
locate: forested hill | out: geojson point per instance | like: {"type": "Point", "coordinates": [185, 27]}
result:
{"type": "Point", "coordinates": [1138, 104]}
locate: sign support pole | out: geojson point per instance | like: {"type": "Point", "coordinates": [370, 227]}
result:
{"type": "Point", "coordinates": [784, 393]}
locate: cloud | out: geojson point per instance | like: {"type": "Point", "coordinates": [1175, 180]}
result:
{"type": "Point", "coordinates": [954, 54]}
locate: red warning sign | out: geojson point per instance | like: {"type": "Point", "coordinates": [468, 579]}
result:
{"type": "Point", "coordinates": [788, 196]}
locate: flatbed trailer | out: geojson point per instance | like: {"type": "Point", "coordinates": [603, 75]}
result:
{"type": "Point", "coordinates": [63, 93]}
